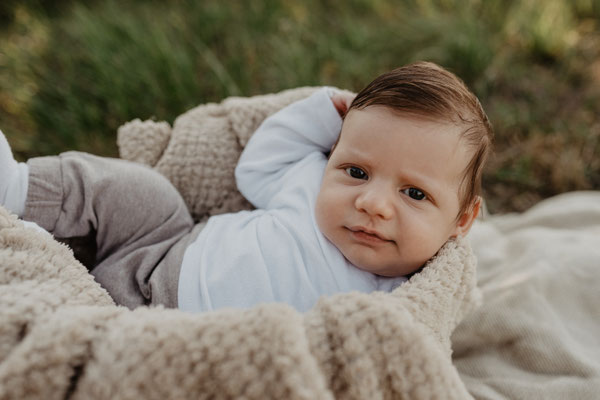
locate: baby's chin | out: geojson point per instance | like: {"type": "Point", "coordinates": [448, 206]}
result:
{"type": "Point", "coordinates": [386, 271]}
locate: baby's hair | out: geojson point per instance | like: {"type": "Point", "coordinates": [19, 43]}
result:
{"type": "Point", "coordinates": [428, 90]}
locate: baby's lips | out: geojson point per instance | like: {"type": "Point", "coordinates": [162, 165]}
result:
{"type": "Point", "coordinates": [371, 232]}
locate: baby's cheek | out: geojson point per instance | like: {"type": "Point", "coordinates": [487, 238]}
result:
{"type": "Point", "coordinates": [325, 212]}
{"type": "Point", "coordinates": [420, 240]}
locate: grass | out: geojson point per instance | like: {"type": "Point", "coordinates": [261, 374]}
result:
{"type": "Point", "coordinates": [71, 73]}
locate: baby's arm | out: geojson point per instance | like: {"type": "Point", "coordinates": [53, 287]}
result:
{"type": "Point", "coordinates": [309, 125]}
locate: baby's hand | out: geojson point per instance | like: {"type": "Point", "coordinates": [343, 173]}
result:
{"type": "Point", "coordinates": [341, 100]}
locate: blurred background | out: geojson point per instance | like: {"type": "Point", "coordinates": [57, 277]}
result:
{"type": "Point", "coordinates": [71, 72]}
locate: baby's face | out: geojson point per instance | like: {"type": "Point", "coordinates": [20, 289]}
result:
{"type": "Point", "coordinates": [390, 193]}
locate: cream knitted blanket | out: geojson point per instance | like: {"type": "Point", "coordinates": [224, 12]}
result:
{"type": "Point", "coordinates": [61, 336]}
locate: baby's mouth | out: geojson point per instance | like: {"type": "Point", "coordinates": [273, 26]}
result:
{"type": "Point", "coordinates": [369, 235]}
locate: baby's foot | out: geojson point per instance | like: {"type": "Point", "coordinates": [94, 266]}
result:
{"type": "Point", "coordinates": [14, 178]}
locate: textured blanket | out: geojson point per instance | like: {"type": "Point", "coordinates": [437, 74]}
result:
{"type": "Point", "coordinates": [61, 336]}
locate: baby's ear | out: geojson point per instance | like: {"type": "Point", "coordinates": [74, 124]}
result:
{"type": "Point", "coordinates": [465, 221]}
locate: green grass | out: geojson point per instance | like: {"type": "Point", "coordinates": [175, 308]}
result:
{"type": "Point", "coordinates": [71, 73]}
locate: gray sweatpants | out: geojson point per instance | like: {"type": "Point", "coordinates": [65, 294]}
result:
{"type": "Point", "coordinates": [131, 219]}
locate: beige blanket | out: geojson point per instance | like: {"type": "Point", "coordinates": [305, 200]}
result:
{"type": "Point", "coordinates": [62, 337]}
{"type": "Point", "coordinates": [537, 335]}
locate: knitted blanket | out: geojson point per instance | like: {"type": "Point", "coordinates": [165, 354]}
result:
{"type": "Point", "coordinates": [61, 335]}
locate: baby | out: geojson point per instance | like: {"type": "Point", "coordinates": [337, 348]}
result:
{"type": "Point", "coordinates": [351, 194]}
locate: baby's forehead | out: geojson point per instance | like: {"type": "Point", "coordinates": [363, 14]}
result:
{"type": "Point", "coordinates": [406, 121]}
{"type": "Point", "coordinates": [382, 130]}
{"type": "Point", "coordinates": [416, 115]}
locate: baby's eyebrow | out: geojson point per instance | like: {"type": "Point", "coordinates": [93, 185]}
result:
{"type": "Point", "coordinates": [422, 181]}
{"type": "Point", "coordinates": [354, 152]}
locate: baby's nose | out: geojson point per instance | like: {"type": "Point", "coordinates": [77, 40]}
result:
{"type": "Point", "coordinates": [376, 203]}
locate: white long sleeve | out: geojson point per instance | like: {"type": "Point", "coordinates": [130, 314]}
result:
{"type": "Point", "coordinates": [309, 125]}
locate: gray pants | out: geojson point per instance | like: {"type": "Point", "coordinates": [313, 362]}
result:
{"type": "Point", "coordinates": [131, 219]}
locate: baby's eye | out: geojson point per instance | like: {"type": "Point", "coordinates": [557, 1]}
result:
{"type": "Point", "coordinates": [357, 173]}
{"type": "Point", "coordinates": [414, 193]}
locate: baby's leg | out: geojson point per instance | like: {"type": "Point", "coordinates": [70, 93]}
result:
{"type": "Point", "coordinates": [134, 214]}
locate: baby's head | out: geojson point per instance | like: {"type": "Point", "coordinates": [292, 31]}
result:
{"type": "Point", "coordinates": [405, 174]}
